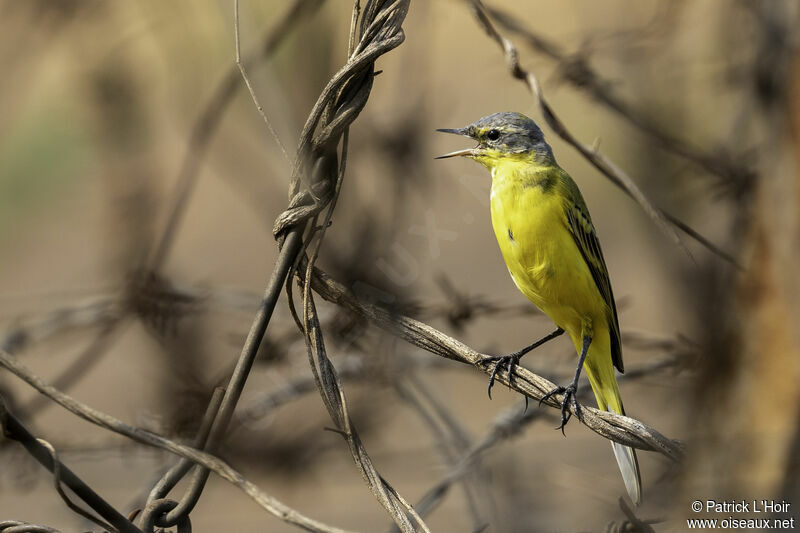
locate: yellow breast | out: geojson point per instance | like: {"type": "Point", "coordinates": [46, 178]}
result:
{"type": "Point", "coordinates": [543, 260]}
{"type": "Point", "coordinates": [521, 218]}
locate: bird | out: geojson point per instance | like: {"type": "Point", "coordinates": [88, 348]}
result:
{"type": "Point", "coordinates": [551, 250]}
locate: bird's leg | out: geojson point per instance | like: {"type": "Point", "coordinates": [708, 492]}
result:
{"type": "Point", "coordinates": [570, 390]}
{"type": "Point", "coordinates": [513, 359]}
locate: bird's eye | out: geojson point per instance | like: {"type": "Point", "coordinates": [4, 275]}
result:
{"type": "Point", "coordinates": [493, 135]}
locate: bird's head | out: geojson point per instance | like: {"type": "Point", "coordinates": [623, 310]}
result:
{"type": "Point", "coordinates": [503, 137]}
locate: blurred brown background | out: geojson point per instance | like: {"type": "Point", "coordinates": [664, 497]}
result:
{"type": "Point", "coordinates": [98, 101]}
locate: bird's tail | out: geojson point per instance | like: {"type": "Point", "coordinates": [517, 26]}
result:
{"type": "Point", "coordinates": [604, 384]}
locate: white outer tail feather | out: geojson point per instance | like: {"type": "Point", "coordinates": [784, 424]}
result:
{"type": "Point", "coordinates": [629, 467]}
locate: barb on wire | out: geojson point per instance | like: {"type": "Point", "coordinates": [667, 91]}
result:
{"type": "Point", "coordinates": [156, 302]}
{"type": "Point", "coordinates": [667, 223]}
{"type": "Point", "coordinates": [14, 430]}
{"type": "Point", "coordinates": [221, 468]}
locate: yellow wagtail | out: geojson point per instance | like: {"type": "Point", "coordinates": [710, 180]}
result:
{"type": "Point", "coordinates": [551, 250]}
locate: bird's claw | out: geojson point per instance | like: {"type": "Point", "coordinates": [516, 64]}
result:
{"type": "Point", "coordinates": [510, 361]}
{"type": "Point", "coordinates": [568, 396]}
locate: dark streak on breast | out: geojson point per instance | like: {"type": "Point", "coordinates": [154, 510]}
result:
{"type": "Point", "coordinates": [510, 235]}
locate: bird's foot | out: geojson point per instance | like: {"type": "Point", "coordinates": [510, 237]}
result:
{"type": "Point", "coordinates": [512, 360]}
{"type": "Point", "coordinates": [568, 393]}
{"type": "Point", "coordinates": [500, 361]}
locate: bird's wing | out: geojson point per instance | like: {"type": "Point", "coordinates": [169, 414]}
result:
{"type": "Point", "coordinates": [582, 230]}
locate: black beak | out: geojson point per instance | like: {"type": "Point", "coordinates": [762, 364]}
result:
{"type": "Point", "coordinates": [457, 131]}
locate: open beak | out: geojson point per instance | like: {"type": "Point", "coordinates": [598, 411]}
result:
{"type": "Point", "coordinates": [468, 151]}
{"type": "Point", "coordinates": [457, 153]}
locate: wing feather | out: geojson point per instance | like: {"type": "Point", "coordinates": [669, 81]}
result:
{"type": "Point", "coordinates": [582, 230]}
